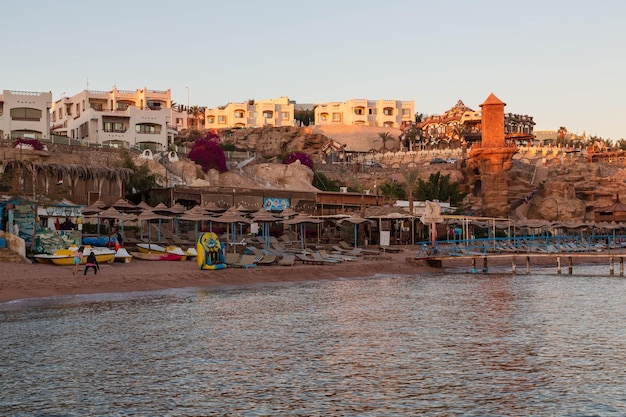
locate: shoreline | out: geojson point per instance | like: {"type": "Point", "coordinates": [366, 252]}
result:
{"type": "Point", "coordinates": [25, 281]}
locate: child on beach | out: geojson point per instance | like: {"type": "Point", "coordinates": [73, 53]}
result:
{"type": "Point", "coordinates": [92, 262]}
{"type": "Point", "coordinates": [78, 257]}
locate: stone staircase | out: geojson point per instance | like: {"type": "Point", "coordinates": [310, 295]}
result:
{"type": "Point", "coordinates": [8, 256]}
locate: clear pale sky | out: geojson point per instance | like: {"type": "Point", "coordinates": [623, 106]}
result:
{"type": "Point", "coordinates": [562, 62]}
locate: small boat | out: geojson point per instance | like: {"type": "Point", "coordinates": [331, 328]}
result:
{"type": "Point", "coordinates": [46, 258]}
{"type": "Point", "coordinates": [153, 248]}
{"type": "Point", "coordinates": [123, 256]}
{"type": "Point", "coordinates": [155, 256]}
{"type": "Point", "coordinates": [66, 256]}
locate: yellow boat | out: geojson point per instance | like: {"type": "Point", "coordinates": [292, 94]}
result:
{"type": "Point", "coordinates": [66, 256]}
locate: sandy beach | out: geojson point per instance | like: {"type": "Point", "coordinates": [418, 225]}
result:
{"type": "Point", "coordinates": [20, 281]}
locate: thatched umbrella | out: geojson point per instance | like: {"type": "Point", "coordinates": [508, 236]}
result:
{"type": "Point", "coordinates": [232, 218]}
{"type": "Point", "coordinates": [213, 208]}
{"type": "Point", "coordinates": [94, 208]}
{"type": "Point", "coordinates": [356, 221]}
{"type": "Point", "coordinates": [112, 213]}
{"type": "Point", "coordinates": [197, 214]}
{"type": "Point", "coordinates": [265, 218]}
{"type": "Point", "coordinates": [302, 219]}
{"type": "Point", "coordinates": [148, 215]}
{"type": "Point", "coordinates": [125, 206]}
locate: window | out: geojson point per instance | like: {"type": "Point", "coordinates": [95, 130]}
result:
{"type": "Point", "coordinates": [148, 128]}
{"type": "Point", "coordinates": [388, 111]}
{"type": "Point", "coordinates": [114, 127]}
{"type": "Point", "coordinates": [268, 114]}
{"type": "Point", "coordinates": [284, 115]}
{"type": "Point", "coordinates": [324, 117]}
{"type": "Point", "coordinates": [221, 120]}
{"type": "Point", "coordinates": [26, 113]}
{"type": "Point", "coordinates": [336, 117]}
{"type": "Point", "coordinates": [359, 111]}
{"type": "Point", "coordinates": [211, 119]}
{"type": "Point", "coordinates": [239, 114]}
{"type": "Point", "coordinates": [179, 121]}
{"type": "Point", "coordinates": [405, 112]}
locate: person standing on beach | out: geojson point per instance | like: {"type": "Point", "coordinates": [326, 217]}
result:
{"type": "Point", "coordinates": [78, 257]}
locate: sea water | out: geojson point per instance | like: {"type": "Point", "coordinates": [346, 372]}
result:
{"type": "Point", "coordinates": [432, 345]}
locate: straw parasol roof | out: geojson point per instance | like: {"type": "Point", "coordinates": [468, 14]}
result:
{"type": "Point", "coordinates": [288, 212]}
{"type": "Point", "coordinates": [303, 218]}
{"type": "Point", "coordinates": [144, 206]}
{"type": "Point", "coordinates": [94, 208]}
{"type": "Point", "coordinates": [112, 213]}
{"type": "Point", "coordinates": [178, 209]}
{"type": "Point", "coordinates": [264, 216]}
{"type": "Point", "coordinates": [124, 205]}
{"type": "Point", "coordinates": [211, 206]}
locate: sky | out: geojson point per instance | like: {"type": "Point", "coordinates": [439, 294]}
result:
{"type": "Point", "coordinates": [562, 62]}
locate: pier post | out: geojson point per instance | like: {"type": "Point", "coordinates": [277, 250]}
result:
{"type": "Point", "coordinates": [513, 266]}
{"type": "Point", "coordinates": [485, 268]}
{"type": "Point", "coordinates": [474, 270]}
{"type": "Point", "coordinates": [527, 265]}
{"type": "Point", "coordinates": [621, 266]}
{"type": "Point", "coordinates": [611, 267]}
{"type": "Point", "coordinates": [558, 265]}
{"type": "Point", "coordinates": [569, 265]}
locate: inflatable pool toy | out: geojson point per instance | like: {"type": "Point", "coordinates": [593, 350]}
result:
{"type": "Point", "coordinates": [210, 252]}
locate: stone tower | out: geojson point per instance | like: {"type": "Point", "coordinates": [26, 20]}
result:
{"type": "Point", "coordinates": [490, 160]}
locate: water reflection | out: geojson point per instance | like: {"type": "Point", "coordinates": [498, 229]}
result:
{"type": "Point", "coordinates": [431, 345]}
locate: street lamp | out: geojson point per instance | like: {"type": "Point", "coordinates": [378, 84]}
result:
{"type": "Point", "coordinates": [187, 87]}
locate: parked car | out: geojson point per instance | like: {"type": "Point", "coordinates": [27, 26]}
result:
{"type": "Point", "coordinates": [373, 164]}
{"type": "Point", "coordinates": [438, 161]}
{"type": "Point", "coordinates": [451, 160]}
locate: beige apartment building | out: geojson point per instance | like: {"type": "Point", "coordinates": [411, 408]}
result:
{"type": "Point", "coordinates": [363, 112]}
{"type": "Point", "coordinates": [25, 114]}
{"type": "Point", "coordinates": [272, 112]}
{"type": "Point", "coordinates": [124, 118]}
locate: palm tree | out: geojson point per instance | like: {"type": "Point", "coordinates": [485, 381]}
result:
{"type": "Point", "coordinates": [410, 183]}
{"type": "Point", "coordinates": [386, 137]}
{"type": "Point", "coordinates": [197, 114]}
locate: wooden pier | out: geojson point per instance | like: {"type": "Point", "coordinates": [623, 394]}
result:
{"type": "Point", "coordinates": [480, 262]}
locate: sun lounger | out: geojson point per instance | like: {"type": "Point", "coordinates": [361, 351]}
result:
{"type": "Point", "coordinates": [304, 258]}
{"type": "Point", "coordinates": [287, 259]}
{"type": "Point", "coordinates": [246, 261]}
{"type": "Point", "coordinates": [231, 258]}
{"type": "Point", "coordinates": [318, 257]}
{"type": "Point", "coordinates": [339, 256]}
{"type": "Point", "coordinates": [390, 249]}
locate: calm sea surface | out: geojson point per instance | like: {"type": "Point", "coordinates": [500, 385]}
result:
{"type": "Point", "coordinates": [436, 345]}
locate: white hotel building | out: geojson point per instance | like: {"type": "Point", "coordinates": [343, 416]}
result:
{"type": "Point", "coordinates": [117, 118]}
{"type": "Point", "coordinates": [25, 114]}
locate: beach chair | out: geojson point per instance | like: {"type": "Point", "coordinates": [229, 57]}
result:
{"type": "Point", "coordinates": [318, 257]}
{"type": "Point", "coordinates": [261, 258]}
{"type": "Point", "coordinates": [246, 261]}
{"type": "Point", "coordinates": [339, 256]}
{"type": "Point", "coordinates": [287, 259]}
{"type": "Point", "coordinates": [350, 252]}
{"type": "Point", "coordinates": [231, 258]}
{"type": "Point", "coordinates": [285, 240]}
{"type": "Point", "coordinates": [306, 259]}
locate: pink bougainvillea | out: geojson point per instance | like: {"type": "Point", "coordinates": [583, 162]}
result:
{"type": "Point", "coordinates": [207, 153]}
{"type": "Point", "coordinates": [304, 159]}
{"type": "Point", "coordinates": [34, 143]}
